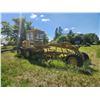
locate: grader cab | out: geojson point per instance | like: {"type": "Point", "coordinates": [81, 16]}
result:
{"type": "Point", "coordinates": [34, 45]}
{"type": "Point", "coordinates": [33, 37]}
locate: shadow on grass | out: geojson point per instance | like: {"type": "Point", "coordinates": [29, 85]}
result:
{"type": "Point", "coordinates": [87, 68]}
{"type": "Point", "coordinates": [88, 71]}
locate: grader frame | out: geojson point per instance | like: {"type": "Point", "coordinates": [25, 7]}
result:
{"type": "Point", "coordinates": [34, 45]}
{"type": "Point", "coordinates": [64, 51]}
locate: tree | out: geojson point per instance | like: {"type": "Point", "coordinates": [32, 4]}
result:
{"type": "Point", "coordinates": [91, 38]}
{"type": "Point", "coordinates": [20, 28]}
{"type": "Point", "coordinates": [28, 25]}
{"type": "Point", "coordinates": [61, 39]}
{"type": "Point", "coordinates": [70, 36]}
{"type": "Point", "coordinates": [70, 32]}
{"type": "Point", "coordinates": [99, 42]}
{"type": "Point", "coordinates": [79, 39]}
{"type": "Point", "coordinates": [58, 32]}
{"type": "Point", "coordinates": [6, 29]}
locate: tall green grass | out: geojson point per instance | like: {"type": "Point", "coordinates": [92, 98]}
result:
{"type": "Point", "coordinates": [98, 53]}
{"type": "Point", "coordinates": [17, 71]}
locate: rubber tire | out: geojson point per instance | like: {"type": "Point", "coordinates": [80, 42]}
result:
{"type": "Point", "coordinates": [19, 51]}
{"type": "Point", "coordinates": [85, 56]}
{"type": "Point", "coordinates": [27, 53]}
{"type": "Point", "coordinates": [78, 58]}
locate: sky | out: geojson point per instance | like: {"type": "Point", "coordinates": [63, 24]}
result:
{"type": "Point", "coordinates": [78, 22]}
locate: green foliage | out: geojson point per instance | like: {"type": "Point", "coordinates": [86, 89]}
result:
{"type": "Point", "coordinates": [6, 29]}
{"type": "Point", "coordinates": [28, 25]}
{"type": "Point", "coordinates": [58, 32]}
{"type": "Point", "coordinates": [70, 36]}
{"type": "Point", "coordinates": [62, 38]}
{"type": "Point", "coordinates": [57, 63]}
{"type": "Point", "coordinates": [79, 39]}
{"type": "Point", "coordinates": [99, 42]}
{"type": "Point", "coordinates": [91, 38]}
{"type": "Point", "coordinates": [19, 27]}
{"type": "Point", "coordinates": [75, 38]}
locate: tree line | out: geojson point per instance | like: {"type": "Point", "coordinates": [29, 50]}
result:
{"type": "Point", "coordinates": [75, 38]}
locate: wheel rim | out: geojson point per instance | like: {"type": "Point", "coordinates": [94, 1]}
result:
{"type": "Point", "coordinates": [27, 54]}
{"type": "Point", "coordinates": [19, 51]}
{"type": "Point", "coordinates": [72, 60]}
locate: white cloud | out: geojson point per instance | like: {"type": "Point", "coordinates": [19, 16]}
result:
{"type": "Point", "coordinates": [50, 38]}
{"type": "Point", "coordinates": [45, 19]}
{"type": "Point", "coordinates": [72, 28]}
{"type": "Point", "coordinates": [41, 15]}
{"type": "Point", "coordinates": [79, 32]}
{"type": "Point", "coordinates": [66, 29]}
{"type": "Point", "coordinates": [33, 16]}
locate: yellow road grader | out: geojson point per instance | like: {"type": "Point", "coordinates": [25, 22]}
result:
{"type": "Point", "coordinates": [34, 45]}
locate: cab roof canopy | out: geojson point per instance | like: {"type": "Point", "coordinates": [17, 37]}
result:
{"type": "Point", "coordinates": [35, 30]}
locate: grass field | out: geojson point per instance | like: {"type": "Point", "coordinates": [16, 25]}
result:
{"type": "Point", "coordinates": [17, 71]}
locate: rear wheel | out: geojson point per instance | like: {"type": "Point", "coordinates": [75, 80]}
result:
{"type": "Point", "coordinates": [19, 51]}
{"type": "Point", "coordinates": [74, 60]}
{"type": "Point", "coordinates": [27, 53]}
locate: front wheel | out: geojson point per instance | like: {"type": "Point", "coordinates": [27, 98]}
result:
{"type": "Point", "coordinates": [74, 60]}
